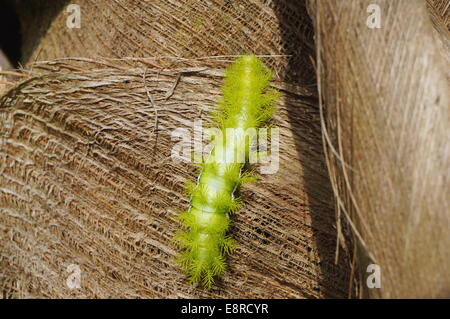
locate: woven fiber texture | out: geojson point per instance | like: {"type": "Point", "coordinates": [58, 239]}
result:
{"type": "Point", "coordinates": [87, 178]}
{"type": "Point", "coordinates": [385, 102]}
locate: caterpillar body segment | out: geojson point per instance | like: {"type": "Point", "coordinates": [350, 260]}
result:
{"type": "Point", "coordinates": [246, 104]}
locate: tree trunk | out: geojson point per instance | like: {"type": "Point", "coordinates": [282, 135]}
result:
{"type": "Point", "coordinates": [387, 100]}
{"type": "Point", "coordinates": [88, 185]}
{"type": "Point", "coordinates": [87, 177]}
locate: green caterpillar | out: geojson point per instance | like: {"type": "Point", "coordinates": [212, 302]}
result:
{"type": "Point", "coordinates": [247, 102]}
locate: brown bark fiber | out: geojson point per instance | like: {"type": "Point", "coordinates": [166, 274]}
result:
{"type": "Point", "coordinates": [387, 118]}
{"type": "Point", "coordinates": [87, 177]}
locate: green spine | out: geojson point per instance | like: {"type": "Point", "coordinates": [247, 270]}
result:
{"type": "Point", "coordinates": [246, 104]}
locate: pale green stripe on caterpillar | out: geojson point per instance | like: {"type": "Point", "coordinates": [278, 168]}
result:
{"type": "Point", "coordinates": [247, 102]}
